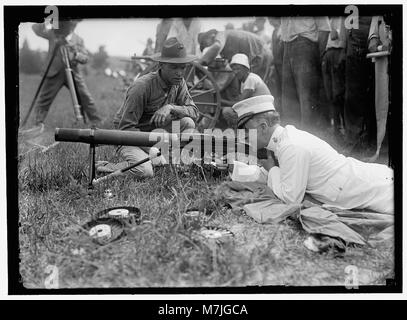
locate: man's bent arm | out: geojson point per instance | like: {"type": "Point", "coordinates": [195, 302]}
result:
{"type": "Point", "coordinates": [211, 54]}
{"type": "Point", "coordinates": [185, 106]}
{"type": "Point", "coordinates": [41, 31]}
{"type": "Point", "coordinates": [82, 55]}
{"type": "Point", "coordinates": [289, 181]}
{"type": "Point", "coordinates": [133, 107]}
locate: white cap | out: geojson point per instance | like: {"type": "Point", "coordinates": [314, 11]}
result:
{"type": "Point", "coordinates": [247, 108]}
{"type": "Point", "coordinates": [242, 59]}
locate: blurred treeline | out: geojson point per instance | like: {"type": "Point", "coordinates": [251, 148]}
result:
{"type": "Point", "coordinates": [33, 61]}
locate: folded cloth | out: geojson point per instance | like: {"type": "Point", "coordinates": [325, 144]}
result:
{"type": "Point", "coordinates": [270, 212]}
{"type": "Point", "coordinates": [316, 220]}
{"type": "Point", "coordinates": [237, 194]}
{"type": "Point", "coordinates": [259, 202]}
{"type": "Point", "coordinates": [374, 227]}
{"type": "Point", "coordinates": [385, 235]}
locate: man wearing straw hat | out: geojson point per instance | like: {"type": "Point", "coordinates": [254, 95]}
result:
{"type": "Point", "coordinates": [155, 100]}
{"type": "Point", "coordinates": [307, 164]}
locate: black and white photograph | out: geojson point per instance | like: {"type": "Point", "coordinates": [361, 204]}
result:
{"type": "Point", "coordinates": [204, 149]}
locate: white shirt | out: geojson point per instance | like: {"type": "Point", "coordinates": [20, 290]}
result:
{"type": "Point", "coordinates": [187, 36]}
{"type": "Point", "coordinates": [309, 164]}
{"type": "Point", "coordinates": [255, 83]}
{"type": "Point", "coordinates": [308, 27]}
{"type": "Point", "coordinates": [338, 24]}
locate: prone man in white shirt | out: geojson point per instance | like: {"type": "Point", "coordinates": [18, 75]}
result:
{"type": "Point", "coordinates": [307, 164]}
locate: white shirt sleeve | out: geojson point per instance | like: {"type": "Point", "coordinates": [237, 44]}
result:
{"type": "Point", "coordinates": [289, 181]}
{"type": "Point", "coordinates": [250, 83]}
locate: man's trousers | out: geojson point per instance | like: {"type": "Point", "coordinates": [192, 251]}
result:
{"type": "Point", "coordinates": [50, 89]}
{"type": "Point", "coordinates": [359, 98]}
{"type": "Point", "coordinates": [301, 76]}
{"type": "Point", "coordinates": [333, 74]}
{"type": "Point", "coordinates": [132, 154]}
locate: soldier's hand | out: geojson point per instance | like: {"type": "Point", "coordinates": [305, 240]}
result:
{"type": "Point", "coordinates": [80, 57]}
{"type": "Point", "coordinates": [334, 34]}
{"type": "Point", "coordinates": [162, 116]}
{"type": "Point", "coordinates": [267, 163]}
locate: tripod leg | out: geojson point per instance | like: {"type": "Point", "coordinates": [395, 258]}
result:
{"type": "Point", "coordinates": [71, 85]}
{"type": "Point", "coordinates": [92, 174]}
{"type": "Point", "coordinates": [40, 86]}
{"type": "Point", "coordinates": [85, 100]}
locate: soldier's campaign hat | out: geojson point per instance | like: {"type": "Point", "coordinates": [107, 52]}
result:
{"type": "Point", "coordinates": [173, 51]}
{"type": "Point", "coordinates": [247, 108]}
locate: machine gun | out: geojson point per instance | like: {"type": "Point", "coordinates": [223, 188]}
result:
{"type": "Point", "coordinates": [204, 143]}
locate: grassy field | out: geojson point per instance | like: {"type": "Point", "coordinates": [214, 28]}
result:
{"type": "Point", "coordinates": [161, 251]}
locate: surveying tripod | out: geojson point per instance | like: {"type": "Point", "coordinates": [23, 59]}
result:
{"type": "Point", "coordinates": [71, 84]}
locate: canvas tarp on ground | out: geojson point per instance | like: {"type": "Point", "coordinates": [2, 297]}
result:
{"type": "Point", "coordinates": [353, 227]}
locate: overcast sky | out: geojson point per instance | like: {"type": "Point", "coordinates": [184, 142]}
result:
{"type": "Point", "coordinates": [122, 37]}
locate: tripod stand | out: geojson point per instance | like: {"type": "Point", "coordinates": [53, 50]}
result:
{"type": "Point", "coordinates": [71, 85]}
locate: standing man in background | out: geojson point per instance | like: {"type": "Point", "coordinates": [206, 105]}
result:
{"type": "Point", "coordinates": [56, 76]}
{"type": "Point", "coordinates": [186, 30]}
{"type": "Point", "coordinates": [278, 53]}
{"type": "Point", "coordinates": [149, 50]}
{"type": "Point", "coordinates": [360, 122]}
{"type": "Point", "coordinates": [333, 73]}
{"type": "Point", "coordinates": [304, 41]}
{"type": "Point", "coordinates": [260, 29]}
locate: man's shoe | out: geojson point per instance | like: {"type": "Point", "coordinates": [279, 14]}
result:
{"type": "Point", "coordinates": [103, 166]}
{"type": "Point", "coordinates": [36, 130]}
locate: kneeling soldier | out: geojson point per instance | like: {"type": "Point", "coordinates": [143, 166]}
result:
{"type": "Point", "coordinates": [157, 98]}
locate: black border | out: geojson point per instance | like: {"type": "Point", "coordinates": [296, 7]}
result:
{"type": "Point", "coordinates": [13, 15]}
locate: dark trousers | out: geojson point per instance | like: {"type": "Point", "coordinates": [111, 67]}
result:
{"type": "Point", "coordinates": [333, 74]}
{"type": "Point", "coordinates": [50, 89]}
{"type": "Point", "coordinates": [260, 64]}
{"type": "Point", "coordinates": [301, 76]}
{"type": "Point", "coordinates": [359, 104]}
{"type": "Point", "coordinates": [277, 85]}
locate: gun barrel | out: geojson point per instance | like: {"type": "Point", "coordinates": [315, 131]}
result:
{"type": "Point", "coordinates": [111, 137]}
{"type": "Point", "coordinates": [147, 139]}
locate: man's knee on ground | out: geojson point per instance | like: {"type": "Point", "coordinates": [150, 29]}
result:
{"type": "Point", "coordinates": [144, 170]}
{"type": "Point", "coordinates": [133, 155]}
{"type": "Point", "coordinates": [229, 113]}
{"type": "Point", "coordinates": [187, 123]}
{"type": "Point", "coordinates": [230, 116]}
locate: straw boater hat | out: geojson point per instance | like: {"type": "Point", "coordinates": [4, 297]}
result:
{"type": "Point", "coordinates": [247, 108]}
{"type": "Point", "coordinates": [173, 51]}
